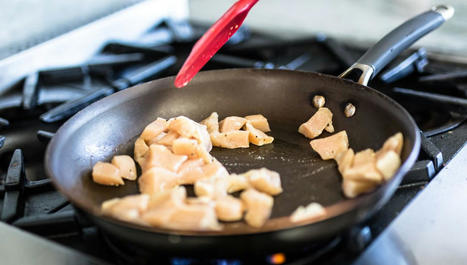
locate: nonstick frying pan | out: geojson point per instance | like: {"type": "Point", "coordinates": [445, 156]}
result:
{"type": "Point", "coordinates": [111, 125]}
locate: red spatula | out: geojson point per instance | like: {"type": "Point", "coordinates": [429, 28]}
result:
{"type": "Point", "coordinates": [213, 40]}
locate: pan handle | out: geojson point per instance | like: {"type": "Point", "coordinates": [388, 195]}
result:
{"type": "Point", "coordinates": [385, 50]}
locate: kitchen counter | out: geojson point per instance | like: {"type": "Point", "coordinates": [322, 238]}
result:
{"type": "Point", "coordinates": [432, 229]}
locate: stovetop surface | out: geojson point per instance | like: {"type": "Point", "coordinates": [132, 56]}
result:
{"type": "Point", "coordinates": [32, 111]}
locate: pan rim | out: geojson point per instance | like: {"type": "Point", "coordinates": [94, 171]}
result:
{"type": "Point", "coordinates": [286, 224]}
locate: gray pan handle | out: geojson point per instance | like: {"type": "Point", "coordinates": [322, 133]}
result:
{"type": "Point", "coordinates": [385, 50]}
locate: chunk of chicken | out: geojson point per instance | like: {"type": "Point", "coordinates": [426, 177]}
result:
{"type": "Point", "coordinates": [167, 139]}
{"type": "Point", "coordinates": [265, 180]}
{"type": "Point", "coordinates": [229, 209]}
{"type": "Point", "coordinates": [190, 129]}
{"type": "Point", "coordinates": [364, 168]}
{"type": "Point", "coordinates": [237, 183]}
{"type": "Point", "coordinates": [140, 150]}
{"type": "Point", "coordinates": [329, 128]}
{"type": "Point", "coordinates": [312, 211]}
{"type": "Point", "coordinates": [394, 143]}
{"type": "Point", "coordinates": [194, 170]}
{"type": "Point", "coordinates": [203, 200]}
{"type": "Point", "coordinates": [387, 164]}
{"type": "Point", "coordinates": [258, 207]}
{"type": "Point", "coordinates": [259, 122]}
{"type": "Point", "coordinates": [160, 156]}
{"type": "Point", "coordinates": [161, 206]}
{"type": "Point", "coordinates": [168, 210]}
{"type": "Point", "coordinates": [172, 198]}
{"type": "Point", "coordinates": [191, 148]}
{"type": "Point", "coordinates": [153, 129]}
{"type": "Point", "coordinates": [329, 147]}
{"type": "Point", "coordinates": [344, 160]}
{"type": "Point", "coordinates": [126, 165]}
{"type": "Point", "coordinates": [191, 171]}
{"type": "Point", "coordinates": [257, 137]}
{"type": "Point", "coordinates": [232, 123]}
{"type": "Point", "coordinates": [212, 188]}
{"type": "Point", "coordinates": [156, 180]}
{"type": "Point", "coordinates": [193, 218]}
{"type": "Point", "coordinates": [215, 170]}
{"type": "Point", "coordinates": [185, 146]}
{"type": "Point", "coordinates": [316, 124]}
{"type": "Point", "coordinates": [106, 174]}
{"type": "Point", "coordinates": [128, 208]}
{"type": "Point", "coordinates": [231, 140]}
{"type": "Point", "coordinates": [353, 188]}
{"type": "Point", "coordinates": [212, 123]}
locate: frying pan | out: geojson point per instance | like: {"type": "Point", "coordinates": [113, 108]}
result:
{"type": "Point", "coordinates": [111, 125]}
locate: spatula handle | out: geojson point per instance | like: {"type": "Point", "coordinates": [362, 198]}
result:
{"type": "Point", "coordinates": [396, 41]}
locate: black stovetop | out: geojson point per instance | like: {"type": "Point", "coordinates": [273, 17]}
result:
{"type": "Point", "coordinates": [433, 91]}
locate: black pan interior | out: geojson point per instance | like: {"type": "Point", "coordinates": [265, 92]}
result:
{"type": "Point", "coordinates": [111, 125]}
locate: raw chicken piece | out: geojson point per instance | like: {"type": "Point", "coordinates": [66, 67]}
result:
{"type": "Point", "coordinates": [106, 174]}
{"type": "Point", "coordinates": [160, 156]}
{"type": "Point", "coordinates": [156, 139]}
{"type": "Point", "coordinates": [265, 180]}
{"type": "Point", "coordinates": [193, 218]}
{"type": "Point", "coordinates": [231, 140]}
{"type": "Point", "coordinates": [185, 146]}
{"type": "Point", "coordinates": [191, 148]}
{"type": "Point", "coordinates": [156, 180]}
{"type": "Point", "coordinates": [237, 183]}
{"type": "Point", "coordinates": [329, 128]}
{"type": "Point", "coordinates": [168, 210]}
{"type": "Point", "coordinates": [344, 160]}
{"type": "Point", "coordinates": [394, 143]}
{"type": "Point", "coordinates": [140, 150]}
{"type": "Point", "coordinates": [364, 168]}
{"type": "Point", "coordinates": [195, 170]}
{"type": "Point", "coordinates": [126, 165]}
{"type": "Point", "coordinates": [259, 122]}
{"type": "Point", "coordinates": [353, 188]}
{"type": "Point", "coordinates": [162, 205]}
{"type": "Point", "coordinates": [316, 124]}
{"type": "Point", "coordinates": [168, 138]}
{"type": "Point", "coordinates": [191, 171]}
{"type": "Point", "coordinates": [329, 147]}
{"type": "Point", "coordinates": [204, 154]}
{"type": "Point", "coordinates": [212, 123]}
{"type": "Point", "coordinates": [154, 129]}
{"type": "Point", "coordinates": [388, 163]}
{"type": "Point", "coordinates": [128, 208]}
{"type": "Point", "coordinates": [203, 200]}
{"type": "Point", "coordinates": [258, 207]}
{"type": "Point", "coordinates": [232, 123]}
{"type": "Point", "coordinates": [229, 209]}
{"type": "Point", "coordinates": [190, 129]}
{"type": "Point", "coordinates": [257, 137]}
{"type": "Point", "coordinates": [215, 170]}
{"type": "Point", "coordinates": [212, 188]}
{"type": "Point", "coordinates": [172, 198]}
{"type": "Point", "coordinates": [311, 211]}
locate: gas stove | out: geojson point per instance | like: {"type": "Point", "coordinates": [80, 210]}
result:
{"type": "Point", "coordinates": [37, 99]}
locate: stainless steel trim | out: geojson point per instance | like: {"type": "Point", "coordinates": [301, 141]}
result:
{"type": "Point", "coordinates": [77, 46]}
{"type": "Point", "coordinates": [367, 72]}
{"type": "Point", "coordinates": [444, 10]}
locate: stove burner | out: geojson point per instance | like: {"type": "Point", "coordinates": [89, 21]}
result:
{"type": "Point", "coordinates": [131, 254]}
